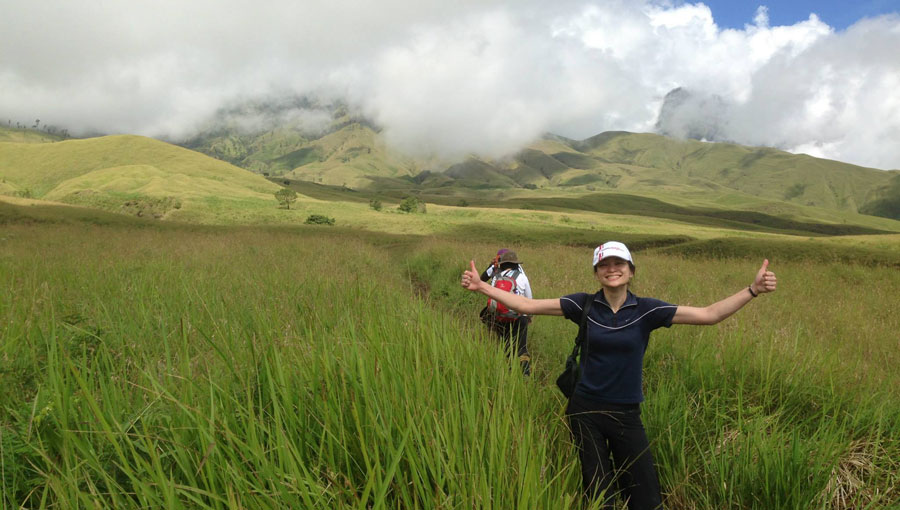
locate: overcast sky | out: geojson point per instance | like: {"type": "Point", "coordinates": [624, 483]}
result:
{"type": "Point", "coordinates": [452, 78]}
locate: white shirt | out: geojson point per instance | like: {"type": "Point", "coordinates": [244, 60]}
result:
{"type": "Point", "coordinates": [523, 287]}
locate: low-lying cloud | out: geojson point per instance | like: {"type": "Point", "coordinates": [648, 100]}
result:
{"type": "Point", "coordinates": [483, 77]}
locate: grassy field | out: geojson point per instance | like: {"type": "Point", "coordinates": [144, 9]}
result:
{"type": "Point", "coordinates": [148, 364]}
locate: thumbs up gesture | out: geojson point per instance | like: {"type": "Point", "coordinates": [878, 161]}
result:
{"type": "Point", "coordinates": [765, 280]}
{"type": "Point", "coordinates": [470, 278]}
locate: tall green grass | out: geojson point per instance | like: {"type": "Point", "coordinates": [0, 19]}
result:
{"type": "Point", "coordinates": [247, 368]}
{"type": "Point", "coordinates": [186, 369]}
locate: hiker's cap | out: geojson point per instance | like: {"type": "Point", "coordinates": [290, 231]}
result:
{"type": "Point", "coordinates": [501, 251]}
{"type": "Point", "coordinates": [612, 249]}
{"type": "Point", "coordinates": [509, 256]}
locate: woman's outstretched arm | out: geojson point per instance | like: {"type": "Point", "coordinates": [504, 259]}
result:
{"type": "Point", "coordinates": [471, 281]}
{"type": "Point", "coordinates": [717, 312]}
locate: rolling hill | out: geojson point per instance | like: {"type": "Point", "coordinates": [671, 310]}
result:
{"type": "Point", "coordinates": [352, 154]}
{"type": "Point", "coordinates": [124, 173]}
{"type": "Point", "coordinates": [615, 172]}
{"type": "Point", "coordinates": [25, 135]}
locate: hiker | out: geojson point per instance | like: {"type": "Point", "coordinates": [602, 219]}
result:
{"type": "Point", "coordinates": [604, 409]}
{"type": "Point", "coordinates": [509, 326]}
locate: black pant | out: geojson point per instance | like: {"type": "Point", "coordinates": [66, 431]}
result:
{"type": "Point", "coordinates": [513, 334]}
{"type": "Point", "coordinates": [615, 454]}
{"type": "Point", "coordinates": [515, 337]}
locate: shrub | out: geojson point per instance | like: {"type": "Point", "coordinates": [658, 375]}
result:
{"type": "Point", "coordinates": [794, 191]}
{"type": "Point", "coordinates": [375, 204]}
{"type": "Point", "coordinates": [319, 219]}
{"type": "Point", "coordinates": [155, 207]}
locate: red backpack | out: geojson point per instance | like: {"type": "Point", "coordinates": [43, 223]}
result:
{"type": "Point", "coordinates": [507, 283]}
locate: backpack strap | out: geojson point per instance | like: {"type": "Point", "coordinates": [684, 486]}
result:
{"type": "Point", "coordinates": [513, 276]}
{"type": "Point", "coordinates": [582, 327]}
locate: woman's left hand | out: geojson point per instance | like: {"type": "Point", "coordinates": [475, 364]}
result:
{"type": "Point", "coordinates": [471, 280]}
{"type": "Point", "coordinates": [765, 280]}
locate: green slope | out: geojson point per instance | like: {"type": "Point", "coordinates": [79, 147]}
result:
{"type": "Point", "coordinates": [270, 152]}
{"type": "Point", "coordinates": [126, 174]}
{"type": "Point", "coordinates": [685, 173]}
{"type": "Point", "coordinates": [354, 155]}
{"type": "Point", "coordinates": [25, 135]}
{"type": "Point", "coordinates": [351, 156]}
{"type": "Point", "coordinates": [351, 153]}
{"type": "Point", "coordinates": [887, 200]}
{"type": "Point", "coordinates": [758, 171]}
{"type": "Point", "coordinates": [620, 203]}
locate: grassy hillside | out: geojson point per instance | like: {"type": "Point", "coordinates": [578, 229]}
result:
{"type": "Point", "coordinates": [739, 213]}
{"type": "Point", "coordinates": [653, 164]}
{"type": "Point", "coordinates": [757, 171]}
{"type": "Point", "coordinates": [25, 211]}
{"type": "Point", "coordinates": [127, 174]}
{"type": "Point", "coordinates": [349, 152]}
{"type": "Point", "coordinates": [887, 200]}
{"type": "Point", "coordinates": [353, 154]}
{"type": "Point", "coordinates": [349, 157]}
{"type": "Point", "coordinates": [260, 153]}
{"type": "Point", "coordinates": [25, 135]}
{"type": "Point", "coordinates": [614, 173]}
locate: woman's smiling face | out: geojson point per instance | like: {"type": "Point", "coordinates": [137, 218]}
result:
{"type": "Point", "coordinates": [613, 272]}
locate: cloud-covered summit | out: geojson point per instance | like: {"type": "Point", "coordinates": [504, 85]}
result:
{"type": "Point", "coordinates": [471, 77]}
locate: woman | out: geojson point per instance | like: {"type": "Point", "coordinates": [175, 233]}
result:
{"type": "Point", "coordinates": [604, 411]}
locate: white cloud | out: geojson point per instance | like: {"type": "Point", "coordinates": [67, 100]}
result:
{"type": "Point", "coordinates": [450, 78]}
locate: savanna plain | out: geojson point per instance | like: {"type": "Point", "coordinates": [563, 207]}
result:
{"type": "Point", "coordinates": [153, 364]}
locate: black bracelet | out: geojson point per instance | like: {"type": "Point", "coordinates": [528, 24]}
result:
{"type": "Point", "coordinates": [750, 288]}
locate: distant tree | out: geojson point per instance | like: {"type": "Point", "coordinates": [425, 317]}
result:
{"type": "Point", "coordinates": [37, 122]}
{"type": "Point", "coordinates": [408, 205]}
{"type": "Point", "coordinates": [462, 203]}
{"type": "Point", "coordinates": [375, 204]}
{"type": "Point", "coordinates": [286, 197]}
{"type": "Point", "coordinates": [412, 205]}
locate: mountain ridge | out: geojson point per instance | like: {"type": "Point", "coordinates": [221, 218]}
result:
{"type": "Point", "coordinates": [354, 155]}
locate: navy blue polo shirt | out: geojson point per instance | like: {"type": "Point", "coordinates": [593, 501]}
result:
{"type": "Point", "coordinates": [612, 372]}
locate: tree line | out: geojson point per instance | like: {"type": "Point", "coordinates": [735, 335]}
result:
{"type": "Point", "coordinates": [37, 126]}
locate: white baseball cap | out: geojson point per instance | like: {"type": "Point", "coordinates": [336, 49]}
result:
{"type": "Point", "coordinates": [612, 249]}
